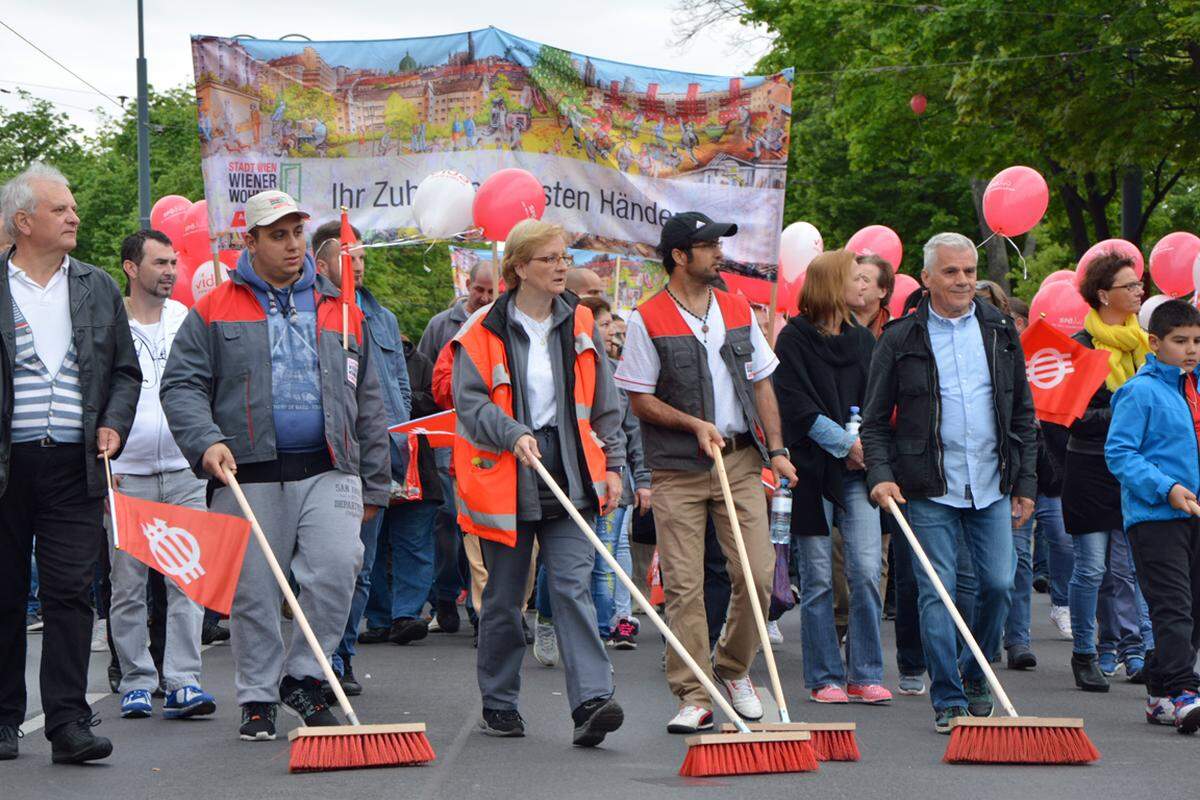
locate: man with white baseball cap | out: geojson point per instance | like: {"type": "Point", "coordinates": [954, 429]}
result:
{"type": "Point", "coordinates": [258, 383]}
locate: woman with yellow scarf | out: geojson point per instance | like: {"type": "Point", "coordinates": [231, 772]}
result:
{"type": "Point", "coordinates": [1103, 582]}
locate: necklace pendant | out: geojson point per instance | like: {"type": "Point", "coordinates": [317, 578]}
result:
{"type": "Point", "coordinates": [704, 328]}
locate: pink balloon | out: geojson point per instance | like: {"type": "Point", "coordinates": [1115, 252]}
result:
{"type": "Point", "coordinates": [506, 198]}
{"type": "Point", "coordinates": [1060, 275]}
{"type": "Point", "coordinates": [1171, 263]}
{"type": "Point", "coordinates": [169, 215]}
{"type": "Point", "coordinates": [1015, 200]}
{"type": "Point", "coordinates": [1061, 305]}
{"type": "Point", "coordinates": [195, 239]}
{"type": "Point", "coordinates": [1119, 246]}
{"type": "Point", "coordinates": [905, 286]}
{"type": "Point", "coordinates": [878, 240]}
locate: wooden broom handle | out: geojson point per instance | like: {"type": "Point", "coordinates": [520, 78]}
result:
{"type": "Point", "coordinates": [751, 587]}
{"type": "Point", "coordinates": [636, 593]}
{"type": "Point", "coordinates": [290, 596]}
{"type": "Point", "coordinates": [948, 602]}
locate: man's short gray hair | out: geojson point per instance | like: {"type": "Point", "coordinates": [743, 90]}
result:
{"type": "Point", "coordinates": [951, 240]}
{"type": "Point", "coordinates": [17, 194]}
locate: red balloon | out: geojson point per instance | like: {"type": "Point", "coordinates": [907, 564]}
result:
{"type": "Point", "coordinates": [1015, 200]}
{"type": "Point", "coordinates": [506, 198]}
{"type": "Point", "coordinates": [1119, 246]}
{"type": "Point", "coordinates": [879, 240]}
{"type": "Point", "coordinates": [1061, 305]}
{"type": "Point", "coordinates": [183, 281]}
{"type": "Point", "coordinates": [1059, 275]}
{"type": "Point", "coordinates": [788, 300]}
{"type": "Point", "coordinates": [905, 286]}
{"type": "Point", "coordinates": [195, 239]}
{"type": "Point", "coordinates": [1171, 263]}
{"type": "Point", "coordinates": [918, 103]}
{"type": "Point", "coordinates": [169, 215]}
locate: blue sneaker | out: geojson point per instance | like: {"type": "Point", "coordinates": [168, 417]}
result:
{"type": "Point", "coordinates": [1135, 669]}
{"type": "Point", "coordinates": [1108, 664]}
{"type": "Point", "coordinates": [1187, 712]}
{"type": "Point", "coordinates": [188, 701]}
{"type": "Point", "coordinates": [136, 704]}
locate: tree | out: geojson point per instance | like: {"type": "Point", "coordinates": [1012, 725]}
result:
{"type": "Point", "coordinates": [39, 133]}
{"type": "Point", "coordinates": [400, 114]}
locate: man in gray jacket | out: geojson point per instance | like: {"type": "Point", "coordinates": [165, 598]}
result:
{"type": "Point", "coordinates": [258, 383]}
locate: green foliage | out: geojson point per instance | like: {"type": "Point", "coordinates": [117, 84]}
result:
{"type": "Point", "coordinates": [400, 114]}
{"type": "Point", "coordinates": [398, 278]}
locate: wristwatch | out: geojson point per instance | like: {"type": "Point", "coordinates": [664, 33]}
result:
{"type": "Point", "coordinates": [619, 470]}
{"type": "Point", "coordinates": [782, 451]}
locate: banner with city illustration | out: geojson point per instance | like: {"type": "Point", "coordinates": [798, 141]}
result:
{"type": "Point", "coordinates": [618, 148]}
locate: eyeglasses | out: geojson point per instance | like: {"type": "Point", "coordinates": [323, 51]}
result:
{"type": "Point", "coordinates": [1132, 286]}
{"type": "Point", "coordinates": [561, 258]}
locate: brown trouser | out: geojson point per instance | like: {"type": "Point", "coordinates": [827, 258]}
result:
{"type": "Point", "coordinates": [683, 501]}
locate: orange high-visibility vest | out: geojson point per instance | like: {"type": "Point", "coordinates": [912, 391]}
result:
{"type": "Point", "coordinates": [486, 481]}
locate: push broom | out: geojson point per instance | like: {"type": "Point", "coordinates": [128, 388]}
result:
{"type": "Point", "coordinates": [1001, 740]}
{"type": "Point", "coordinates": [831, 741]}
{"type": "Point", "coordinates": [352, 746]}
{"type": "Point", "coordinates": [743, 752]}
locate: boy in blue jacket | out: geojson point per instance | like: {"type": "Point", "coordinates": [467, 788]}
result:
{"type": "Point", "coordinates": [1153, 449]}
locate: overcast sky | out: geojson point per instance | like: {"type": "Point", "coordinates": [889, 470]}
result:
{"type": "Point", "coordinates": [98, 38]}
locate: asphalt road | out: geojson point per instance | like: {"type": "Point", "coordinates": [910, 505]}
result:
{"type": "Point", "coordinates": [434, 682]}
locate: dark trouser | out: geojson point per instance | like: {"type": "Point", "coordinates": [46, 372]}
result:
{"type": "Point", "coordinates": [47, 498]}
{"type": "Point", "coordinates": [1167, 556]}
{"type": "Point", "coordinates": [717, 586]}
{"type": "Point", "coordinates": [449, 562]}
{"type": "Point", "coordinates": [910, 656]}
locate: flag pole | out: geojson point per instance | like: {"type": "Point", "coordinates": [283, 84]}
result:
{"type": "Point", "coordinates": [345, 300]}
{"type": "Point", "coordinates": [617, 285]}
{"type": "Point", "coordinates": [112, 502]}
{"type": "Point", "coordinates": [495, 268]}
{"type": "Point", "coordinates": [771, 313]}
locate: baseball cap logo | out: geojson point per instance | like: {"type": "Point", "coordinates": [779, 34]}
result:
{"type": "Point", "coordinates": [699, 224]}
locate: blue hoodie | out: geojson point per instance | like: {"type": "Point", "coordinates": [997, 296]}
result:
{"type": "Point", "coordinates": [1151, 443]}
{"type": "Point", "coordinates": [295, 371]}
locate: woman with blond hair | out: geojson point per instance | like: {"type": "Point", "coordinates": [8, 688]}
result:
{"type": "Point", "coordinates": [821, 382]}
{"type": "Point", "coordinates": [531, 383]}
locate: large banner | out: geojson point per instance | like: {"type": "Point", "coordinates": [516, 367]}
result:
{"type": "Point", "coordinates": [618, 148]}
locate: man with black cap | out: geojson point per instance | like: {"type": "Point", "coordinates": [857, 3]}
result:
{"type": "Point", "coordinates": [696, 365]}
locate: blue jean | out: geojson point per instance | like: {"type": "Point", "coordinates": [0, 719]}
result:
{"type": "Point", "coordinates": [603, 579]}
{"type": "Point", "coordinates": [450, 578]}
{"type": "Point", "coordinates": [858, 522]}
{"type": "Point", "coordinates": [910, 655]}
{"type": "Point", "coordinates": [408, 535]}
{"type": "Point", "coordinates": [33, 605]}
{"type": "Point", "coordinates": [1060, 550]}
{"type": "Point", "coordinates": [362, 589]}
{"type": "Point", "coordinates": [1104, 585]}
{"type": "Point", "coordinates": [1016, 629]}
{"type": "Point", "coordinates": [541, 594]}
{"type": "Point", "coordinates": [987, 536]}
{"type": "Point", "coordinates": [621, 597]}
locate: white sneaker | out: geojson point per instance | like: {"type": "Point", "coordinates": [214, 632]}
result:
{"type": "Point", "coordinates": [1160, 711]}
{"type": "Point", "coordinates": [99, 637]}
{"type": "Point", "coordinates": [744, 698]}
{"type": "Point", "coordinates": [1061, 617]}
{"type": "Point", "coordinates": [691, 719]}
{"type": "Point", "coordinates": [774, 635]}
{"type": "Point", "coordinates": [545, 644]}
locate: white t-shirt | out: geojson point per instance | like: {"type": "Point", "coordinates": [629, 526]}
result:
{"type": "Point", "coordinates": [47, 310]}
{"type": "Point", "coordinates": [539, 374]}
{"type": "Point", "coordinates": [639, 367]}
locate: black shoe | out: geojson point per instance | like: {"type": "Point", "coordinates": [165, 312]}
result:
{"type": "Point", "coordinates": [594, 719]}
{"type": "Point", "coordinates": [1021, 657]}
{"type": "Point", "coordinates": [374, 636]}
{"type": "Point", "coordinates": [475, 636]}
{"type": "Point", "coordinates": [502, 722]}
{"type": "Point", "coordinates": [406, 630]}
{"type": "Point", "coordinates": [74, 743]}
{"type": "Point", "coordinates": [213, 632]}
{"type": "Point", "coordinates": [943, 719]}
{"type": "Point", "coordinates": [258, 722]}
{"type": "Point", "coordinates": [448, 620]}
{"type": "Point", "coordinates": [8, 741]}
{"type": "Point", "coordinates": [1041, 584]}
{"type": "Point", "coordinates": [303, 698]}
{"type": "Point", "coordinates": [528, 633]}
{"type": "Point", "coordinates": [114, 678]}
{"type": "Point", "coordinates": [350, 684]}
{"type": "Point", "coordinates": [979, 698]}
{"type": "Point", "coordinates": [1087, 673]}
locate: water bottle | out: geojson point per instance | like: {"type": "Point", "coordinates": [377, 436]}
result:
{"type": "Point", "coordinates": [781, 514]}
{"type": "Point", "coordinates": [855, 422]}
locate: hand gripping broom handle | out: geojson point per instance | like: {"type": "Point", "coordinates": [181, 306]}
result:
{"type": "Point", "coordinates": [948, 602]}
{"type": "Point", "coordinates": [751, 587]}
{"type": "Point", "coordinates": [636, 593]}
{"type": "Point", "coordinates": [288, 595]}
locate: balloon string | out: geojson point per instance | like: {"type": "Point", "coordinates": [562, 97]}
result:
{"type": "Point", "coordinates": [981, 245]}
{"type": "Point", "coordinates": [412, 240]}
{"type": "Point", "coordinates": [1020, 257]}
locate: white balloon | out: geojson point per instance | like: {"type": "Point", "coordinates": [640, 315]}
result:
{"type": "Point", "coordinates": [442, 205]}
{"type": "Point", "coordinates": [1148, 306]}
{"type": "Point", "coordinates": [799, 244]}
{"type": "Point", "coordinates": [203, 280]}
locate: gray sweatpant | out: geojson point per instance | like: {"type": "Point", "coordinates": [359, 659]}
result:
{"type": "Point", "coordinates": [127, 615]}
{"type": "Point", "coordinates": [313, 527]}
{"type": "Point", "coordinates": [568, 558]}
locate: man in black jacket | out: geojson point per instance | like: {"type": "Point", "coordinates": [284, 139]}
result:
{"type": "Point", "coordinates": [69, 384]}
{"type": "Point", "coordinates": [963, 451]}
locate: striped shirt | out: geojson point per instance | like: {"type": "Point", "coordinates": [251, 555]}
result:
{"type": "Point", "coordinates": [44, 405]}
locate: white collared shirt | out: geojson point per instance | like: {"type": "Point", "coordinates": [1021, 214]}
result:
{"type": "Point", "coordinates": [47, 309]}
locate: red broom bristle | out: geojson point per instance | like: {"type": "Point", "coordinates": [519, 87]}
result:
{"type": "Point", "coordinates": [748, 758]}
{"type": "Point", "coordinates": [359, 750]}
{"type": "Point", "coordinates": [835, 745]}
{"type": "Point", "coordinates": [1017, 745]}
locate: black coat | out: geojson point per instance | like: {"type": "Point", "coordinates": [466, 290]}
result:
{"type": "Point", "coordinates": [818, 375]}
{"type": "Point", "coordinates": [420, 378]}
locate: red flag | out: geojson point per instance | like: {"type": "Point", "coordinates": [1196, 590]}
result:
{"type": "Point", "coordinates": [438, 427]}
{"type": "Point", "coordinates": [199, 550]}
{"type": "Point", "coordinates": [348, 239]}
{"type": "Point", "coordinates": [1063, 374]}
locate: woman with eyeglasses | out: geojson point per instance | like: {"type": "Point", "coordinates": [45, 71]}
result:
{"type": "Point", "coordinates": [1103, 582]}
{"type": "Point", "coordinates": [531, 383]}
